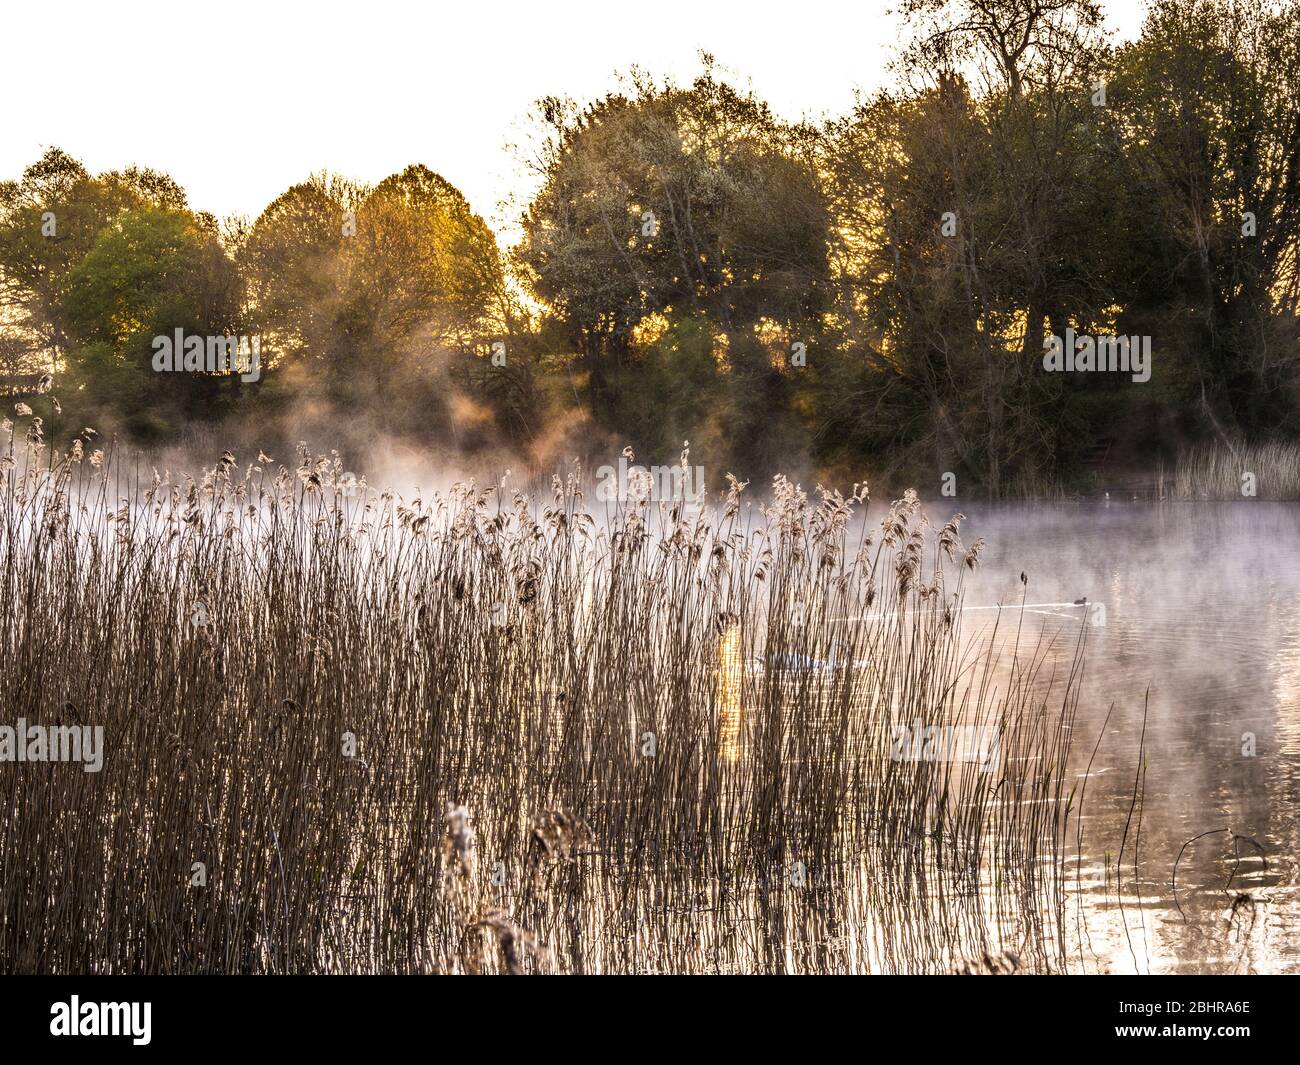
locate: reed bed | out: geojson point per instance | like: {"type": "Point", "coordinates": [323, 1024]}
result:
{"type": "Point", "coordinates": [483, 732]}
{"type": "Point", "coordinates": [1217, 472]}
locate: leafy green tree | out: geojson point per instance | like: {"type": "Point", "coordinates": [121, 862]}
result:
{"type": "Point", "coordinates": [384, 298]}
{"type": "Point", "coordinates": [149, 273]}
{"type": "Point", "coordinates": [691, 204]}
{"type": "Point", "coordinates": [49, 220]}
{"type": "Point", "coordinates": [1210, 94]}
{"type": "Point", "coordinates": [967, 225]}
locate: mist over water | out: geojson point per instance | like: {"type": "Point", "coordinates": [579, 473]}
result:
{"type": "Point", "coordinates": [1202, 625]}
{"type": "Point", "coordinates": [841, 533]}
{"type": "Point", "coordinates": [1192, 615]}
{"type": "Point", "coordinates": [1182, 621]}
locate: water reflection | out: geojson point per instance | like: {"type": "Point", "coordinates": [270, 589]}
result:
{"type": "Point", "coordinates": [1202, 630]}
{"type": "Point", "coordinates": [731, 677]}
{"type": "Point", "coordinates": [1186, 747]}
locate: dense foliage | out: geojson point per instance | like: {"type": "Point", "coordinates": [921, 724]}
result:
{"type": "Point", "coordinates": [867, 295]}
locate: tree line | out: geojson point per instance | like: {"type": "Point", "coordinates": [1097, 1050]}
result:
{"type": "Point", "coordinates": [865, 295]}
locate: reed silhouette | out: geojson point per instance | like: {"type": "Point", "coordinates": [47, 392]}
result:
{"type": "Point", "coordinates": [481, 731]}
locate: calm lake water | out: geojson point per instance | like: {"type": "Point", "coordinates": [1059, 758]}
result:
{"type": "Point", "coordinates": [1202, 623]}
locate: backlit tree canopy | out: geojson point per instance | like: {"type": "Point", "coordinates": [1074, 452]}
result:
{"type": "Point", "coordinates": [863, 294]}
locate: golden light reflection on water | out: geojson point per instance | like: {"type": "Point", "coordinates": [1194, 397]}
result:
{"type": "Point", "coordinates": [730, 684]}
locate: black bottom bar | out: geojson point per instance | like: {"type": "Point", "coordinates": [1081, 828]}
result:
{"type": "Point", "coordinates": [342, 1014]}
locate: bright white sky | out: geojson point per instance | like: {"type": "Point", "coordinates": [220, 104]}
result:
{"type": "Point", "coordinates": [239, 100]}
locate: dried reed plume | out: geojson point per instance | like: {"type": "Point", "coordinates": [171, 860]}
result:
{"type": "Point", "coordinates": [483, 732]}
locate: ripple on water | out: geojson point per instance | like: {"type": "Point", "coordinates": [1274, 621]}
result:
{"type": "Point", "coordinates": [1202, 612]}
